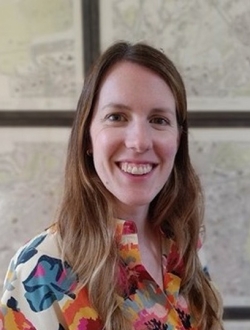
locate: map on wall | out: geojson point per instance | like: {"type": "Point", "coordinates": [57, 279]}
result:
{"type": "Point", "coordinates": [222, 158]}
{"type": "Point", "coordinates": [40, 54]}
{"type": "Point", "coordinates": [207, 40]}
{"type": "Point", "coordinates": [32, 164]}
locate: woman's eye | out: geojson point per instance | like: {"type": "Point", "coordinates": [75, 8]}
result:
{"type": "Point", "coordinates": [115, 117]}
{"type": "Point", "coordinates": [160, 121]}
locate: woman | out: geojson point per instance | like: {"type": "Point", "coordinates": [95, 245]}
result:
{"type": "Point", "coordinates": [123, 253]}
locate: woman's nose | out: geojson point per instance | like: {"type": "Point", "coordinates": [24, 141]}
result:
{"type": "Point", "coordinates": [139, 137]}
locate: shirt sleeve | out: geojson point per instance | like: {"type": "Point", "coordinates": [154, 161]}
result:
{"type": "Point", "coordinates": [31, 296]}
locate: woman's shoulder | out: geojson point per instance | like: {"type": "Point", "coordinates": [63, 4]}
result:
{"type": "Point", "coordinates": [38, 266]}
{"type": "Point", "coordinates": [37, 277]}
{"type": "Point", "coordinates": [38, 257]}
{"type": "Point", "coordinates": [44, 243]}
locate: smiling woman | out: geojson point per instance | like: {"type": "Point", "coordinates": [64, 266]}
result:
{"type": "Point", "coordinates": [124, 251]}
{"type": "Point", "coordinates": [134, 137]}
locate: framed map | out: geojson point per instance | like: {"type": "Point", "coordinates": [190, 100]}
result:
{"type": "Point", "coordinates": [41, 54]}
{"type": "Point", "coordinates": [237, 325]}
{"type": "Point", "coordinates": [207, 40]}
{"type": "Point", "coordinates": [222, 158]}
{"type": "Point", "coordinates": [31, 177]}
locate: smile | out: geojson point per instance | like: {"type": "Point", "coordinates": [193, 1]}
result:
{"type": "Point", "coordinates": [136, 169]}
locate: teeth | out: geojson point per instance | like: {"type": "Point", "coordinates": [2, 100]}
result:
{"type": "Point", "coordinates": [136, 169]}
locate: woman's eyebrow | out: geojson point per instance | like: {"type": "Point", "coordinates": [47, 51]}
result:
{"type": "Point", "coordinates": [118, 106]}
{"type": "Point", "coordinates": [121, 106]}
{"type": "Point", "coordinates": [163, 111]}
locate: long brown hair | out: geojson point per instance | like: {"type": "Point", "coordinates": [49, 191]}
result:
{"type": "Point", "coordinates": [86, 218]}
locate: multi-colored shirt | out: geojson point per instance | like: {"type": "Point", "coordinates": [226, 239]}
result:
{"type": "Point", "coordinates": [40, 289]}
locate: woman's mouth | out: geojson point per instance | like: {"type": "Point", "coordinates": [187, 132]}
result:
{"type": "Point", "coordinates": [136, 169]}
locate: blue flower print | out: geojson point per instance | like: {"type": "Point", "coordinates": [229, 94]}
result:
{"type": "Point", "coordinates": [49, 281]}
{"type": "Point", "coordinates": [29, 250]}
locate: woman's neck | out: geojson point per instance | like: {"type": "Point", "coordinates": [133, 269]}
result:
{"type": "Point", "coordinates": [138, 214]}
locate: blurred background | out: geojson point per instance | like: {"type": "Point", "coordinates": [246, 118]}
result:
{"type": "Point", "coordinates": [47, 47]}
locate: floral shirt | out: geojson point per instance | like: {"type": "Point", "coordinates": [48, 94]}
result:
{"type": "Point", "coordinates": [39, 289]}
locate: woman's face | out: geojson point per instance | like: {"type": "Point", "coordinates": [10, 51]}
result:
{"type": "Point", "coordinates": [134, 135]}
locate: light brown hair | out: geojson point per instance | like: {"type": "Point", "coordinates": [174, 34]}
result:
{"type": "Point", "coordinates": [86, 219]}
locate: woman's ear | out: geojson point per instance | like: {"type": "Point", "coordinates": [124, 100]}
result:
{"type": "Point", "coordinates": [89, 152]}
{"type": "Point", "coordinates": [180, 130]}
